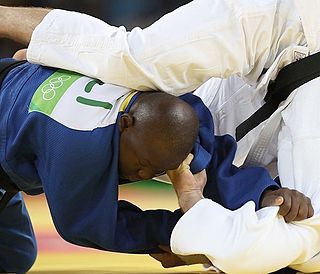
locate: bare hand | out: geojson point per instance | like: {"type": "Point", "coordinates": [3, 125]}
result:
{"type": "Point", "coordinates": [294, 206]}
{"type": "Point", "coordinates": [20, 55]}
{"type": "Point", "coordinates": [184, 181]}
{"type": "Point", "coordinates": [169, 259]}
{"type": "Point", "coordinates": [188, 187]}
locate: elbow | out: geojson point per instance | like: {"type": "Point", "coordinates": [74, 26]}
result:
{"type": "Point", "coordinates": [68, 232]}
{"type": "Point", "coordinates": [84, 235]}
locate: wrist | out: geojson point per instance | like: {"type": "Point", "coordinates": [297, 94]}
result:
{"type": "Point", "coordinates": [265, 194]}
{"type": "Point", "coordinates": [188, 199]}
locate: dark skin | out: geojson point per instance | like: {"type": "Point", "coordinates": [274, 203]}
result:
{"type": "Point", "coordinates": [156, 135]}
{"type": "Point", "coordinates": [142, 164]}
{"type": "Point", "coordinates": [169, 259]}
{"type": "Point", "coordinates": [139, 156]}
{"type": "Point", "coordinates": [137, 164]}
{"type": "Point", "coordinates": [293, 206]}
{"type": "Point", "coordinates": [147, 166]}
{"type": "Point", "coordinates": [141, 159]}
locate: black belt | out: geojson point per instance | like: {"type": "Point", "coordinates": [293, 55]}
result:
{"type": "Point", "coordinates": [5, 182]}
{"type": "Point", "coordinates": [289, 78]}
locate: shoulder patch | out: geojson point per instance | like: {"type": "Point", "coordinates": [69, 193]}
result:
{"type": "Point", "coordinates": [51, 90]}
{"type": "Point", "coordinates": [77, 101]}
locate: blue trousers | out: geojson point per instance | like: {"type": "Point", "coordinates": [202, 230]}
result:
{"type": "Point", "coordinates": [18, 249]}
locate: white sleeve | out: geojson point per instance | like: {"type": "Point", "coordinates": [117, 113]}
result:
{"type": "Point", "coordinates": [244, 241]}
{"type": "Point", "coordinates": [176, 54]}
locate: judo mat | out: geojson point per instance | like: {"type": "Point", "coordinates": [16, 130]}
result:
{"type": "Point", "coordinates": [57, 256]}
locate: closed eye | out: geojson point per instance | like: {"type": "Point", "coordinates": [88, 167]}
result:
{"type": "Point", "coordinates": [159, 173]}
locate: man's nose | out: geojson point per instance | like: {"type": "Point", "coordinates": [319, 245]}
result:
{"type": "Point", "coordinates": [145, 174]}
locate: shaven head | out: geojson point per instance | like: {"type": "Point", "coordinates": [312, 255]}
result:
{"type": "Point", "coordinates": [156, 135]}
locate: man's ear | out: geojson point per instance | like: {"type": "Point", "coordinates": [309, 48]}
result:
{"type": "Point", "coordinates": [125, 121]}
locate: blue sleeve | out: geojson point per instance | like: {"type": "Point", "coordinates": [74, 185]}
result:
{"type": "Point", "coordinates": [79, 171]}
{"type": "Point", "coordinates": [92, 221]}
{"type": "Point", "coordinates": [232, 186]}
{"type": "Point", "coordinates": [227, 184]}
{"type": "Point", "coordinates": [204, 146]}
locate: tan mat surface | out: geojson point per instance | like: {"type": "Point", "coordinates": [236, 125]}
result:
{"type": "Point", "coordinates": [57, 256]}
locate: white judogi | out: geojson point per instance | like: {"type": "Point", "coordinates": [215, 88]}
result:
{"type": "Point", "coordinates": [231, 101]}
{"type": "Point", "coordinates": [242, 241]}
{"type": "Point", "coordinates": [218, 38]}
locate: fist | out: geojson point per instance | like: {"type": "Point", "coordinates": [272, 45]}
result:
{"type": "Point", "coordinates": [294, 205]}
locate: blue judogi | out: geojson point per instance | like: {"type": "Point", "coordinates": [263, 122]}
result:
{"type": "Point", "coordinates": [59, 135]}
{"type": "Point", "coordinates": [18, 248]}
{"type": "Point", "coordinates": [227, 184]}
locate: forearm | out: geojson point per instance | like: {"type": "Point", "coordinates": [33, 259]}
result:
{"type": "Point", "coordinates": [18, 23]}
{"type": "Point", "coordinates": [128, 230]}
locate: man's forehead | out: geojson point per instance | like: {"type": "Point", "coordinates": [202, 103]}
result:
{"type": "Point", "coordinates": [165, 162]}
{"type": "Point", "coordinates": [153, 153]}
